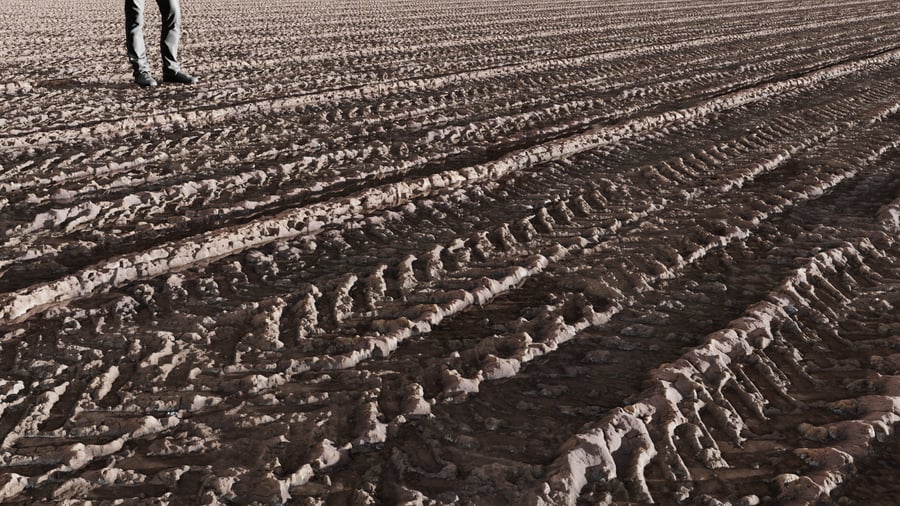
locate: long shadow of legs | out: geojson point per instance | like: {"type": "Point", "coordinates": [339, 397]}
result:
{"type": "Point", "coordinates": [75, 84]}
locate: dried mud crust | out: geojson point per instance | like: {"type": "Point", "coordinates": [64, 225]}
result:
{"type": "Point", "coordinates": [537, 253]}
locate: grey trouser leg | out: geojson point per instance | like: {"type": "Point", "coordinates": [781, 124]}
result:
{"type": "Point", "coordinates": [134, 34]}
{"type": "Point", "coordinates": [171, 33]}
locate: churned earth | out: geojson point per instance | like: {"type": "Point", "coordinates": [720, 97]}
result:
{"type": "Point", "coordinates": [395, 252]}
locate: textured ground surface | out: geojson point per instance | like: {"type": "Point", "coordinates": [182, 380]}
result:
{"type": "Point", "coordinates": [524, 252]}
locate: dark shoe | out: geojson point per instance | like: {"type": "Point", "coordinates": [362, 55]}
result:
{"type": "Point", "coordinates": [179, 77]}
{"type": "Point", "coordinates": [144, 79]}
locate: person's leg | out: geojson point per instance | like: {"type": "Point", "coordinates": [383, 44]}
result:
{"type": "Point", "coordinates": [171, 34]}
{"type": "Point", "coordinates": [134, 36]}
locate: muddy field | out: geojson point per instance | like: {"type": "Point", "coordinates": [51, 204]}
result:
{"type": "Point", "coordinates": [452, 252]}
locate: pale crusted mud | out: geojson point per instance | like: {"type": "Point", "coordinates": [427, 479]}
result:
{"type": "Point", "coordinates": [484, 252]}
